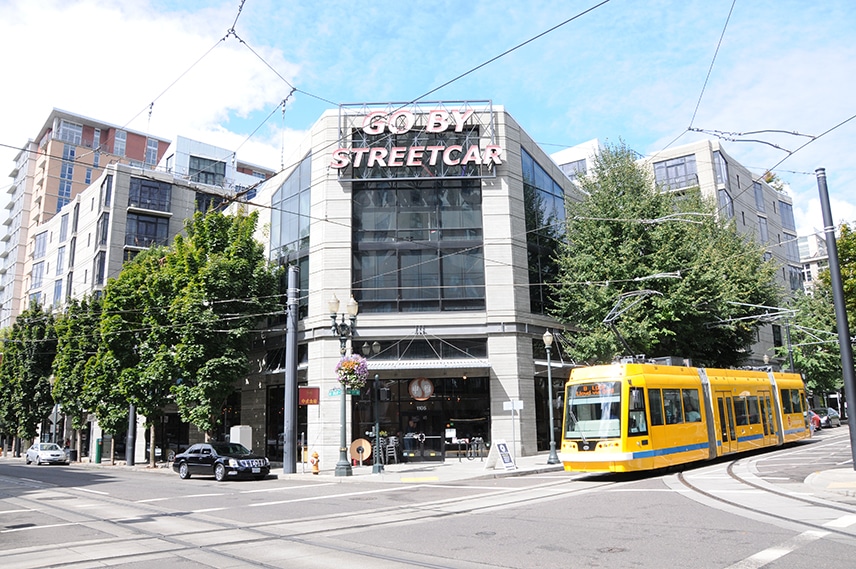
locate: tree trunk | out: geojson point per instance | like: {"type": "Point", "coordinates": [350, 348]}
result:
{"type": "Point", "coordinates": [152, 449]}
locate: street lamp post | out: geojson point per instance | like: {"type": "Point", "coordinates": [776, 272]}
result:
{"type": "Point", "coordinates": [345, 331]}
{"type": "Point", "coordinates": [548, 342]}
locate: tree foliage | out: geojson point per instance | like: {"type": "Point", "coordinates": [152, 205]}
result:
{"type": "Point", "coordinates": [178, 321]}
{"type": "Point", "coordinates": [846, 246]}
{"type": "Point", "coordinates": [625, 243]}
{"type": "Point", "coordinates": [25, 372]}
{"type": "Point", "coordinates": [78, 339]}
{"type": "Point", "coordinates": [814, 340]}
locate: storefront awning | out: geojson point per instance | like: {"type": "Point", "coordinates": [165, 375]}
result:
{"type": "Point", "coordinates": [471, 363]}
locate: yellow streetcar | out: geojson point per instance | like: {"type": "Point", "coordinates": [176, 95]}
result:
{"type": "Point", "coordinates": [642, 416]}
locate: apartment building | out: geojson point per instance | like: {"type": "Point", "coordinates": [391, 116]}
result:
{"type": "Point", "coordinates": [756, 208]}
{"type": "Point", "coordinates": [67, 154]}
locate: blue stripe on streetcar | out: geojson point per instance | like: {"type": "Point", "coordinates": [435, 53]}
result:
{"type": "Point", "coordinates": [671, 450]}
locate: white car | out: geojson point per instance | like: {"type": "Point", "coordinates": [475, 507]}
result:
{"type": "Point", "coordinates": [46, 453]}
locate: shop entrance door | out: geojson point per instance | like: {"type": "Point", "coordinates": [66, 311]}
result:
{"type": "Point", "coordinates": [424, 431]}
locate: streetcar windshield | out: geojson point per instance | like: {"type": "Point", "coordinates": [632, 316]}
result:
{"type": "Point", "coordinates": [593, 410]}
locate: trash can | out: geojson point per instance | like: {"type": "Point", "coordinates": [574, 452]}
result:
{"type": "Point", "coordinates": [72, 455]}
{"type": "Point", "coordinates": [97, 451]}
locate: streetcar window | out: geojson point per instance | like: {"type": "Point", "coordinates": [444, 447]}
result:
{"type": "Point", "coordinates": [787, 407]}
{"type": "Point", "coordinates": [636, 412]}
{"type": "Point", "coordinates": [754, 411]}
{"type": "Point", "coordinates": [593, 410]}
{"type": "Point", "coordinates": [672, 405]}
{"type": "Point", "coordinates": [691, 406]}
{"type": "Point", "coordinates": [740, 411]}
{"type": "Point", "coordinates": [656, 402]}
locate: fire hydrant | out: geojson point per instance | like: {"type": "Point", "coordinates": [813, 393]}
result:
{"type": "Point", "coordinates": [314, 462]}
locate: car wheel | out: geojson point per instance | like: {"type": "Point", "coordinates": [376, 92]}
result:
{"type": "Point", "coordinates": [183, 471]}
{"type": "Point", "coordinates": [27, 460]}
{"type": "Point", "coordinates": [219, 472]}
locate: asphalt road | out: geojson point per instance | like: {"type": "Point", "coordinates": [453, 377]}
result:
{"type": "Point", "coordinates": [82, 516]}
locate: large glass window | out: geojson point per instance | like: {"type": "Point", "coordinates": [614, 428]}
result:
{"type": "Point", "coordinates": [40, 244]}
{"type": "Point", "coordinates": [119, 142]}
{"type": "Point", "coordinates": [205, 171]}
{"type": "Point", "coordinates": [544, 204]}
{"type": "Point", "coordinates": [70, 132]}
{"type": "Point", "coordinates": [99, 267]}
{"type": "Point", "coordinates": [38, 275]}
{"type": "Point", "coordinates": [151, 151]}
{"type": "Point", "coordinates": [146, 230]}
{"type": "Point", "coordinates": [763, 232]}
{"type": "Point", "coordinates": [720, 165]}
{"type": "Point", "coordinates": [677, 173]}
{"type": "Point", "coordinates": [63, 228]}
{"type": "Point", "coordinates": [786, 210]}
{"type": "Point", "coordinates": [290, 222]}
{"type": "Point", "coordinates": [149, 194]}
{"type": "Point", "coordinates": [103, 228]}
{"type": "Point", "coordinates": [726, 204]}
{"type": "Point", "coordinates": [759, 196]}
{"type": "Point", "coordinates": [60, 260]}
{"type": "Point", "coordinates": [574, 169]}
{"type": "Point", "coordinates": [418, 245]}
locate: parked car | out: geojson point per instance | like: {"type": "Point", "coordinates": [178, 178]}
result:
{"type": "Point", "coordinates": [46, 453]}
{"type": "Point", "coordinates": [814, 420]}
{"type": "Point", "coordinates": [221, 460]}
{"type": "Point", "coordinates": [829, 417]}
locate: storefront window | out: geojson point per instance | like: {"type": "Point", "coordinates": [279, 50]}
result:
{"type": "Point", "coordinates": [423, 428]}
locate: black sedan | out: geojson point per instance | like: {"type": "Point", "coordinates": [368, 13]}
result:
{"type": "Point", "coordinates": [221, 460]}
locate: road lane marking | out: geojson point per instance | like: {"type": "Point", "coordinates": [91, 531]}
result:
{"type": "Point", "coordinates": [91, 491]}
{"type": "Point", "coordinates": [842, 522]}
{"type": "Point", "coordinates": [772, 553]}
{"type": "Point", "coordinates": [29, 528]}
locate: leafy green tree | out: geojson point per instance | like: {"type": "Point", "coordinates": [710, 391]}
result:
{"type": "Point", "coordinates": [814, 340]}
{"type": "Point", "coordinates": [228, 290]}
{"type": "Point", "coordinates": [25, 372]}
{"type": "Point", "coordinates": [846, 246]}
{"type": "Point", "coordinates": [78, 340]}
{"type": "Point", "coordinates": [677, 275]}
{"type": "Point", "coordinates": [138, 334]}
{"type": "Point", "coordinates": [178, 321]}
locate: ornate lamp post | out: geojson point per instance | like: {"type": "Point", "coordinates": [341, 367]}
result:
{"type": "Point", "coordinates": [548, 342]}
{"type": "Point", "coordinates": [345, 331]}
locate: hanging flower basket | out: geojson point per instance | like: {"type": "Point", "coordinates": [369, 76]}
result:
{"type": "Point", "coordinates": [352, 371]}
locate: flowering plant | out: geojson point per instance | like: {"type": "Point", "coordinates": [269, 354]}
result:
{"type": "Point", "coordinates": [352, 371]}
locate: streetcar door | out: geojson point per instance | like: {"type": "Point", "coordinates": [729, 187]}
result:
{"type": "Point", "coordinates": [726, 423]}
{"type": "Point", "coordinates": [766, 416]}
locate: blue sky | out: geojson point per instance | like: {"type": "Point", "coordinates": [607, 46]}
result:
{"type": "Point", "coordinates": [641, 72]}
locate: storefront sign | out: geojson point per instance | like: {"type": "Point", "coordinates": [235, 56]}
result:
{"type": "Point", "coordinates": [416, 155]}
{"type": "Point", "coordinates": [421, 388]}
{"type": "Point", "coordinates": [309, 395]}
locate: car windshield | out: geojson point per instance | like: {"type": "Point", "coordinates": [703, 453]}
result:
{"type": "Point", "coordinates": [230, 449]}
{"type": "Point", "coordinates": [49, 446]}
{"type": "Point", "coordinates": [821, 412]}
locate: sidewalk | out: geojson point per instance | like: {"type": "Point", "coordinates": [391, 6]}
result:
{"type": "Point", "coordinates": [434, 471]}
{"type": "Point", "coordinates": [833, 484]}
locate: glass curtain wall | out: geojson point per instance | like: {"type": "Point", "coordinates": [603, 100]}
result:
{"type": "Point", "coordinates": [544, 201]}
{"type": "Point", "coordinates": [418, 245]}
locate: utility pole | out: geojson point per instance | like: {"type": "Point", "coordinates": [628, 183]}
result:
{"type": "Point", "coordinates": [840, 310]}
{"type": "Point", "coordinates": [289, 442]}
